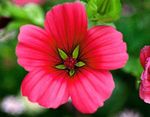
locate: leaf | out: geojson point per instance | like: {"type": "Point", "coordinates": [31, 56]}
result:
{"type": "Point", "coordinates": [62, 54]}
{"type": "Point", "coordinates": [16, 11]}
{"type": "Point", "coordinates": [91, 8]}
{"type": "Point", "coordinates": [133, 67]}
{"type": "Point", "coordinates": [35, 13]}
{"type": "Point", "coordinates": [75, 53]}
{"type": "Point", "coordinates": [14, 25]}
{"type": "Point", "coordinates": [104, 10]}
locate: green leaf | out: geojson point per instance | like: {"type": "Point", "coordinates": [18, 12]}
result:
{"type": "Point", "coordinates": [91, 8]}
{"type": "Point", "coordinates": [71, 72]}
{"type": "Point", "coordinates": [62, 54]}
{"type": "Point", "coordinates": [75, 53]}
{"type": "Point", "coordinates": [133, 67]}
{"type": "Point", "coordinates": [80, 64]}
{"type": "Point", "coordinates": [16, 11]}
{"type": "Point", "coordinates": [14, 25]}
{"type": "Point", "coordinates": [104, 10]}
{"type": "Point", "coordinates": [91, 24]}
{"type": "Point", "coordinates": [61, 66]}
{"type": "Point", "coordinates": [35, 13]}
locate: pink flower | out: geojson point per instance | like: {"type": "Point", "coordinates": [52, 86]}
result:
{"type": "Point", "coordinates": [24, 2]}
{"type": "Point", "coordinates": [66, 60]}
{"type": "Point", "coordinates": [145, 77]}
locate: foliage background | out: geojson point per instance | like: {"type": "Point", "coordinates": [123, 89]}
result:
{"type": "Point", "coordinates": [135, 26]}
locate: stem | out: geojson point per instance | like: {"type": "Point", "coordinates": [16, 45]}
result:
{"type": "Point", "coordinates": [77, 0]}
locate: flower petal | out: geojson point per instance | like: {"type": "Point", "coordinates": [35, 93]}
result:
{"type": "Point", "coordinates": [35, 48]}
{"type": "Point", "coordinates": [104, 48]}
{"type": "Point", "coordinates": [145, 92]}
{"type": "Point", "coordinates": [67, 24]}
{"type": "Point", "coordinates": [145, 82]}
{"type": "Point", "coordinates": [90, 88]}
{"type": "Point", "coordinates": [48, 89]}
{"type": "Point", "coordinates": [144, 54]}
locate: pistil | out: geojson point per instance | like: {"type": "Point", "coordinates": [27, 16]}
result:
{"type": "Point", "coordinates": [70, 63]}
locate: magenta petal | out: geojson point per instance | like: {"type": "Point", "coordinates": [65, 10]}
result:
{"type": "Point", "coordinates": [104, 48]}
{"type": "Point", "coordinates": [48, 89]}
{"type": "Point", "coordinates": [144, 54]}
{"type": "Point", "coordinates": [145, 92]}
{"type": "Point", "coordinates": [34, 47]}
{"type": "Point", "coordinates": [90, 88]}
{"type": "Point", "coordinates": [67, 24]}
{"type": "Point", "coordinates": [145, 83]}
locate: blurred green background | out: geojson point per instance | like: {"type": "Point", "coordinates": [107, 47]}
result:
{"type": "Point", "coordinates": [125, 102]}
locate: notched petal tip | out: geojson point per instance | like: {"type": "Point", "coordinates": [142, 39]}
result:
{"type": "Point", "coordinates": [106, 49]}
{"type": "Point", "coordinates": [67, 23]}
{"type": "Point", "coordinates": [33, 48]}
{"type": "Point", "coordinates": [47, 89]}
{"type": "Point", "coordinates": [88, 89]}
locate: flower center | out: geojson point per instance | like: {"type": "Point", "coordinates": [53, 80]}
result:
{"type": "Point", "coordinates": [70, 63]}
